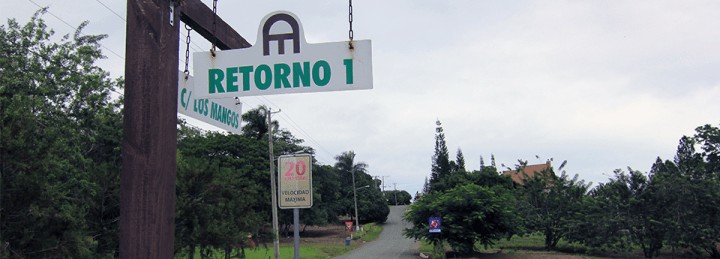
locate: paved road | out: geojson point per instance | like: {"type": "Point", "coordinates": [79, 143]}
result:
{"type": "Point", "coordinates": [391, 243]}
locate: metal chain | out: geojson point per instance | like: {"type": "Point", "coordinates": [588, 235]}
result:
{"type": "Point", "coordinates": [350, 20]}
{"type": "Point", "coordinates": [187, 52]}
{"type": "Point", "coordinates": [214, 28]}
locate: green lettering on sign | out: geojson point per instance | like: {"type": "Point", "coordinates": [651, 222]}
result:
{"type": "Point", "coordinates": [259, 83]}
{"type": "Point", "coordinates": [215, 78]}
{"type": "Point", "coordinates": [231, 79]}
{"type": "Point", "coordinates": [301, 74]}
{"type": "Point", "coordinates": [325, 79]}
{"type": "Point", "coordinates": [245, 72]}
{"type": "Point", "coordinates": [282, 71]}
{"type": "Point", "coordinates": [348, 71]}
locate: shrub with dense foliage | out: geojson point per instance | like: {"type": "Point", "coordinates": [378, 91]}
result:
{"type": "Point", "coordinates": [469, 214]}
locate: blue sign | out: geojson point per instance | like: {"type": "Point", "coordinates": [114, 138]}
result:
{"type": "Point", "coordinates": [434, 223]}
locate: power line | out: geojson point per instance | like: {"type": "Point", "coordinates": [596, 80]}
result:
{"type": "Point", "coordinates": [297, 126]}
{"type": "Point", "coordinates": [111, 10]}
{"type": "Point", "coordinates": [196, 45]}
{"type": "Point", "coordinates": [125, 21]}
{"type": "Point", "coordinates": [68, 24]}
{"type": "Point", "coordinates": [182, 42]}
{"type": "Point", "coordinates": [292, 124]}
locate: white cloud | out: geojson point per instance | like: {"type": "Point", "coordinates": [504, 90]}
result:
{"type": "Point", "coordinates": [602, 84]}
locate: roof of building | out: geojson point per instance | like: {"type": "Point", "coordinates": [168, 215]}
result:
{"type": "Point", "coordinates": [530, 171]}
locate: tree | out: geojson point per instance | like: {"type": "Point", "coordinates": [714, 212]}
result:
{"type": "Point", "coordinates": [398, 197]}
{"type": "Point", "coordinates": [371, 204]}
{"type": "Point", "coordinates": [620, 213]}
{"type": "Point", "coordinates": [326, 187]}
{"type": "Point", "coordinates": [440, 161]}
{"type": "Point", "coordinates": [256, 125]}
{"type": "Point", "coordinates": [490, 177]}
{"type": "Point", "coordinates": [553, 204]}
{"type": "Point", "coordinates": [705, 178]}
{"type": "Point", "coordinates": [59, 145]}
{"type": "Point", "coordinates": [675, 205]}
{"type": "Point", "coordinates": [346, 166]}
{"type": "Point", "coordinates": [426, 186]}
{"type": "Point", "coordinates": [459, 161]}
{"type": "Point", "coordinates": [469, 214]}
{"type": "Point", "coordinates": [689, 190]}
{"type": "Point", "coordinates": [222, 196]}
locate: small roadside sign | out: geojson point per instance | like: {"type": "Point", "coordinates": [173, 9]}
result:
{"type": "Point", "coordinates": [434, 224]}
{"type": "Point", "coordinates": [348, 226]}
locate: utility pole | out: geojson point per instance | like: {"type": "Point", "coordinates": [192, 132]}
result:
{"type": "Point", "coordinates": [273, 185]}
{"type": "Point", "coordinates": [147, 179]}
{"type": "Point", "coordinates": [383, 182]}
{"type": "Point", "coordinates": [395, 187]}
{"type": "Point", "coordinates": [357, 220]}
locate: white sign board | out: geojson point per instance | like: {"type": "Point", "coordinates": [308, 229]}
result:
{"type": "Point", "coordinates": [222, 113]}
{"type": "Point", "coordinates": [295, 181]}
{"type": "Point", "coordinates": [282, 62]}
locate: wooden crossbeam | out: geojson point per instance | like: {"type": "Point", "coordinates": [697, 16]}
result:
{"type": "Point", "coordinates": [200, 18]}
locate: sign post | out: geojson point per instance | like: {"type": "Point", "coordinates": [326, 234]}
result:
{"type": "Point", "coordinates": [147, 179]}
{"type": "Point", "coordinates": [348, 236]}
{"type": "Point", "coordinates": [295, 192]}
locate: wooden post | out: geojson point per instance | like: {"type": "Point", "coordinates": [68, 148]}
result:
{"type": "Point", "coordinates": [147, 180]}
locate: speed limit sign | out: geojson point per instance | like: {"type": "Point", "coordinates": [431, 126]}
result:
{"type": "Point", "coordinates": [295, 181]}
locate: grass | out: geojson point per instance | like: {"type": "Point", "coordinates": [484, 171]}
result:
{"type": "Point", "coordinates": [516, 245]}
{"type": "Point", "coordinates": [286, 251]}
{"type": "Point", "coordinates": [306, 251]}
{"type": "Point", "coordinates": [370, 232]}
{"type": "Point", "coordinates": [526, 246]}
{"type": "Point", "coordinates": [310, 251]}
{"type": "Point", "coordinates": [534, 242]}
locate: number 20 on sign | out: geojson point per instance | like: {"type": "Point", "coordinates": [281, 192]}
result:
{"type": "Point", "coordinates": [295, 181]}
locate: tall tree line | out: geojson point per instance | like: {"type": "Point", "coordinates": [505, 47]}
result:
{"type": "Point", "coordinates": [676, 205]}
{"type": "Point", "coordinates": [60, 133]}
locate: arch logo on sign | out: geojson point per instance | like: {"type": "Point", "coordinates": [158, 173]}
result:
{"type": "Point", "coordinates": [295, 181]}
{"type": "Point", "coordinates": [282, 62]}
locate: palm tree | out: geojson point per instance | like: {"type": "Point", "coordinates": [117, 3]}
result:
{"type": "Point", "coordinates": [256, 122]}
{"type": "Point", "coordinates": [346, 164]}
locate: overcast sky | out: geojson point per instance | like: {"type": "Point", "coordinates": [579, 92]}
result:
{"type": "Point", "coordinates": [601, 84]}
